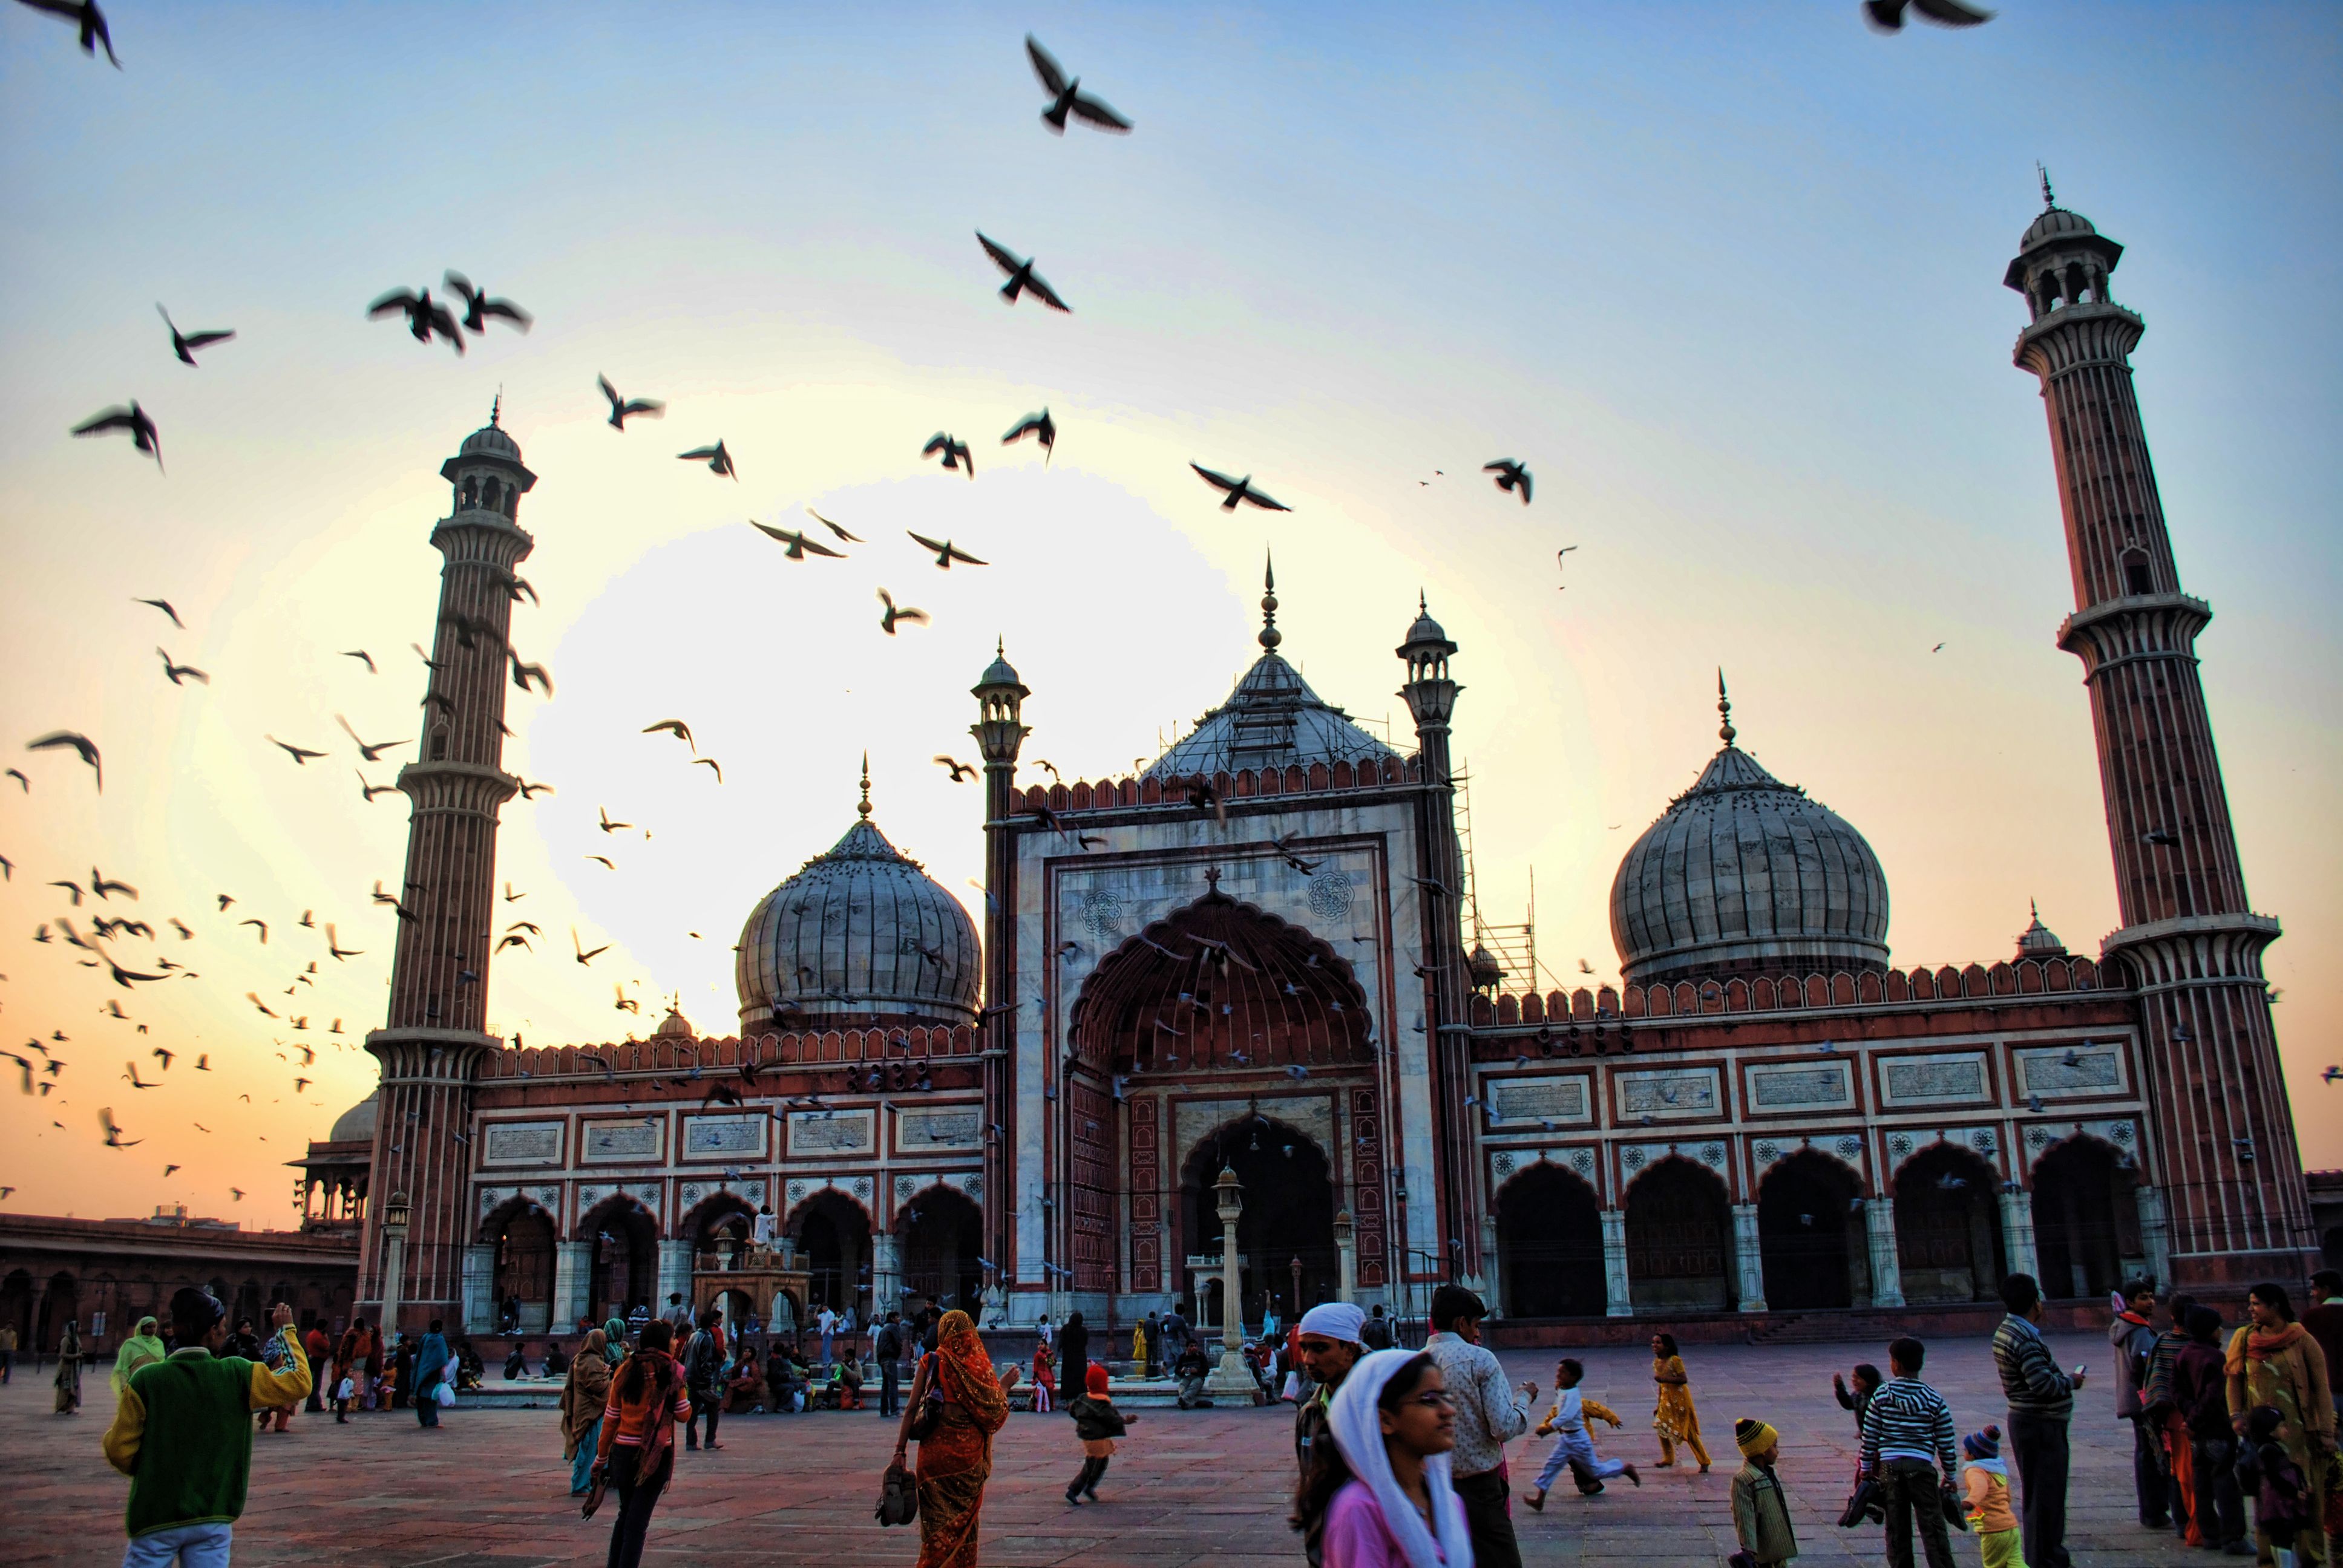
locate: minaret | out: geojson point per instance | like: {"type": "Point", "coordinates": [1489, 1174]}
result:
{"type": "Point", "coordinates": [432, 1041]}
{"type": "Point", "coordinates": [2190, 944]}
{"type": "Point", "coordinates": [1000, 732]}
{"type": "Point", "coordinates": [1440, 867]}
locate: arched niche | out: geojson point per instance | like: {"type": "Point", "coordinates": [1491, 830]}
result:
{"type": "Point", "coordinates": [1288, 1190]}
{"type": "Point", "coordinates": [622, 1258]}
{"type": "Point", "coordinates": [1550, 1244]}
{"type": "Point", "coordinates": [1679, 1239]}
{"type": "Point", "coordinates": [833, 1233]}
{"type": "Point", "coordinates": [1810, 1233]}
{"type": "Point", "coordinates": [2087, 1234]}
{"type": "Point", "coordinates": [1948, 1245]}
{"type": "Point", "coordinates": [940, 1233]}
{"type": "Point", "coordinates": [719, 1226]}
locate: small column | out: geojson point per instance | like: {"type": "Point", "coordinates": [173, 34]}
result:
{"type": "Point", "coordinates": [2018, 1232]}
{"type": "Point", "coordinates": [2155, 1234]}
{"type": "Point", "coordinates": [1886, 1265]}
{"type": "Point", "coordinates": [1749, 1264]}
{"type": "Point", "coordinates": [1618, 1302]}
{"type": "Point", "coordinates": [1494, 1292]}
{"type": "Point", "coordinates": [1346, 1257]}
{"type": "Point", "coordinates": [674, 1275]}
{"type": "Point", "coordinates": [1231, 1380]}
{"type": "Point", "coordinates": [886, 1272]}
{"type": "Point", "coordinates": [572, 1261]}
{"type": "Point", "coordinates": [480, 1288]}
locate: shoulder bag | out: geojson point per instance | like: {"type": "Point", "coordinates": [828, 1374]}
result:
{"type": "Point", "coordinates": [899, 1496]}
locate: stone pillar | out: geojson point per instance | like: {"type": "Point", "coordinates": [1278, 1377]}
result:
{"type": "Point", "coordinates": [886, 1272]}
{"type": "Point", "coordinates": [1887, 1266]}
{"type": "Point", "coordinates": [1618, 1302]}
{"type": "Point", "coordinates": [1494, 1292]}
{"type": "Point", "coordinates": [572, 1262]}
{"type": "Point", "coordinates": [1231, 1380]}
{"type": "Point", "coordinates": [2155, 1234]}
{"type": "Point", "coordinates": [674, 1274]}
{"type": "Point", "coordinates": [480, 1289]}
{"type": "Point", "coordinates": [2018, 1232]}
{"type": "Point", "coordinates": [1748, 1262]}
{"type": "Point", "coordinates": [394, 1242]}
{"type": "Point", "coordinates": [1346, 1257]}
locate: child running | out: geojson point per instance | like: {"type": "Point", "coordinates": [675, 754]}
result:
{"type": "Point", "coordinates": [1573, 1445]}
{"type": "Point", "coordinates": [1098, 1424]}
{"type": "Point", "coordinates": [1984, 1477]}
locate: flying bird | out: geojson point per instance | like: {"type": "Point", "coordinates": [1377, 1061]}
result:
{"type": "Point", "coordinates": [1888, 15]}
{"type": "Point", "coordinates": [165, 606]}
{"type": "Point", "coordinates": [334, 948]}
{"type": "Point", "coordinates": [891, 614]}
{"type": "Point", "coordinates": [1239, 491]}
{"type": "Point", "coordinates": [371, 790]}
{"type": "Point", "coordinates": [625, 408]}
{"type": "Point", "coordinates": [945, 552]}
{"type": "Point", "coordinates": [955, 451]}
{"type": "Point", "coordinates": [82, 746]}
{"type": "Point", "coordinates": [960, 771]}
{"type": "Point", "coordinates": [833, 528]}
{"type": "Point", "coordinates": [1042, 427]}
{"type": "Point", "coordinates": [425, 316]}
{"type": "Point", "coordinates": [104, 889]}
{"type": "Point", "coordinates": [130, 1071]}
{"type": "Point", "coordinates": [21, 783]}
{"type": "Point", "coordinates": [675, 727]}
{"type": "Point", "coordinates": [709, 763]}
{"type": "Point", "coordinates": [1065, 96]}
{"type": "Point", "coordinates": [1510, 476]}
{"type": "Point", "coordinates": [176, 671]}
{"type": "Point", "coordinates": [84, 15]}
{"type": "Point", "coordinates": [606, 861]}
{"type": "Point", "coordinates": [718, 459]}
{"type": "Point", "coordinates": [527, 675]}
{"type": "Point", "coordinates": [371, 752]}
{"type": "Point", "coordinates": [185, 343]}
{"type": "Point", "coordinates": [2164, 837]}
{"type": "Point", "coordinates": [300, 755]}
{"type": "Point", "coordinates": [264, 929]}
{"type": "Point", "coordinates": [73, 888]}
{"type": "Point", "coordinates": [609, 825]}
{"type": "Point", "coordinates": [361, 655]}
{"type": "Point", "coordinates": [134, 420]}
{"type": "Point", "coordinates": [796, 545]}
{"type": "Point", "coordinates": [1022, 279]}
{"type": "Point", "coordinates": [478, 306]}
{"type": "Point", "coordinates": [113, 1139]}
{"type": "Point", "coordinates": [529, 793]}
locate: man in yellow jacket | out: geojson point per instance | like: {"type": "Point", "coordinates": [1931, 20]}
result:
{"type": "Point", "coordinates": [183, 1433]}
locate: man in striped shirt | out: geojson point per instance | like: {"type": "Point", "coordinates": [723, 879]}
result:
{"type": "Point", "coordinates": [1908, 1432]}
{"type": "Point", "coordinates": [2041, 1402]}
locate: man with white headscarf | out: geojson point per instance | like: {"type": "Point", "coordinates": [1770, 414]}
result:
{"type": "Point", "coordinates": [1329, 1345]}
{"type": "Point", "coordinates": [1350, 1537]}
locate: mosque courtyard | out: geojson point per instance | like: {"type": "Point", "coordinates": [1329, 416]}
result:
{"type": "Point", "coordinates": [488, 1490]}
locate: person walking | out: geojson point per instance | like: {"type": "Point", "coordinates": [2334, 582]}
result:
{"type": "Point", "coordinates": [1674, 1415]}
{"type": "Point", "coordinates": [1381, 1495]}
{"type": "Point", "coordinates": [677, 1318]}
{"type": "Point", "coordinates": [1097, 1424]}
{"type": "Point", "coordinates": [1984, 1481]}
{"type": "Point", "coordinates": [2041, 1402]}
{"type": "Point", "coordinates": [1573, 1444]}
{"type": "Point", "coordinates": [887, 1350]}
{"type": "Point", "coordinates": [634, 1451]}
{"type": "Point", "coordinates": [431, 1359]}
{"type": "Point", "coordinates": [182, 1432]}
{"type": "Point", "coordinates": [1907, 1433]}
{"type": "Point", "coordinates": [1488, 1416]}
{"type": "Point", "coordinates": [7, 1354]}
{"type": "Point", "coordinates": [1327, 1347]}
{"type": "Point", "coordinates": [2163, 1418]}
{"type": "Point", "coordinates": [1143, 1350]}
{"type": "Point", "coordinates": [1761, 1509]}
{"type": "Point", "coordinates": [351, 1364]}
{"type": "Point", "coordinates": [1858, 1400]}
{"type": "Point", "coordinates": [2132, 1336]}
{"type": "Point", "coordinates": [583, 1395]}
{"type": "Point", "coordinates": [2200, 1398]}
{"type": "Point", "coordinates": [68, 1377]}
{"type": "Point", "coordinates": [2274, 1363]}
{"type": "Point", "coordinates": [703, 1379]}
{"type": "Point", "coordinates": [1073, 1345]}
{"type": "Point", "coordinates": [1375, 1333]}
{"type": "Point", "coordinates": [1152, 1360]}
{"type": "Point", "coordinates": [956, 1450]}
{"type": "Point", "coordinates": [321, 1352]}
{"type": "Point", "coordinates": [142, 1348]}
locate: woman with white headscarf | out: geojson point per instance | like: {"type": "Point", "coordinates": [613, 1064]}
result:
{"type": "Point", "coordinates": [1381, 1498]}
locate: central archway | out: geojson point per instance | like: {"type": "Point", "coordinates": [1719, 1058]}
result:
{"type": "Point", "coordinates": [834, 1234]}
{"type": "Point", "coordinates": [1810, 1237]}
{"type": "Point", "coordinates": [522, 1233]}
{"type": "Point", "coordinates": [1288, 1214]}
{"type": "Point", "coordinates": [622, 1258]}
{"type": "Point", "coordinates": [1948, 1227]}
{"type": "Point", "coordinates": [2086, 1220]}
{"type": "Point", "coordinates": [942, 1236]}
{"type": "Point", "coordinates": [1550, 1244]}
{"type": "Point", "coordinates": [1679, 1240]}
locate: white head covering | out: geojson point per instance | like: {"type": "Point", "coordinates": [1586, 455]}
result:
{"type": "Point", "coordinates": [1335, 1319]}
{"type": "Point", "coordinates": [1356, 1422]}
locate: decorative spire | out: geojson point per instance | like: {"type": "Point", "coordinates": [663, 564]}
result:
{"type": "Point", "coordinates": [863, 810]}
{"type": "Point", "coordinates": [1269, 636]}
{"type": "Point", "coordinates": [2048, 201]}
{"type": "Point", "coordinates": [1724, 709]}
{"type": "Point", "coordinates": [496, 409]}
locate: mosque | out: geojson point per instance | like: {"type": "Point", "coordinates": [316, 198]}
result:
{"type": "Point", "coordinates": [1253, 957]}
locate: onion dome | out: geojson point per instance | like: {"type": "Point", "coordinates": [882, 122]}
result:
{"type": "Point", "coordinates": [1426, 632]}
{"type": "Point", "coordinates": [2056, 223]}
{"type": "Point", "coordinates": [355, 1125]}
{"type": "Point", "coordinates": [1273, 719]}
{"type": "Point", "coordinates": [1488, 972]}
{"type": "Point", "coordinates": [999, 672]}
{"type": "Point", "coordinates": [860, 931]}
{"type": "Point", "coordinates": [2037, 940]}
{"type": "Point", "coordinates": [1743, 873]}
{"type": "Point", "coordinates": [674, 1026]}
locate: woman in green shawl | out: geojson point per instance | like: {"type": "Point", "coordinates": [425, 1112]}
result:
{"type": "Point", "coordinates": [140, 1349]}
{"type": "Point", "coordinates": [613, 1340]}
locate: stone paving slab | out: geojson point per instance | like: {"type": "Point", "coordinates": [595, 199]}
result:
{"type": "Point", "coordinates": [489, 1488]}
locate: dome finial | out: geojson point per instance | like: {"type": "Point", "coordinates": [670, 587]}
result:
{"type": "Point", "coordinates": [496, 409]}
{"type": "Point", "coordinates": [1723, 709]}
{"type": "Point", "coordinates": [1269, 636]}
{"type": "Point", "coordinates": [2048, 201]}
{"type": "Point", "coordinates": [863, 810]}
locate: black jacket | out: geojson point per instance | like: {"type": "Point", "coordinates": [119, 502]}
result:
{"type": "Point", "coordinates": [1073, 1355]}
{"type": "Point", "coordinates": [1095, 1418]}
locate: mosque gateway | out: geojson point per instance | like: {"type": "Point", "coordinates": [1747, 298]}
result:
{"type": "Point", "coordinates": [1253, 957]}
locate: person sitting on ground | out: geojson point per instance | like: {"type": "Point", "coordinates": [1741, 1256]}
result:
{"type": "Point", "coordinates": [850, 1384]}
{"type": "Point", "coordinates": [1190, 1371]}
{"type": "Point", "coordinates": [783, 1392]}
{"type": "Point", "coordinates": [1761, 1509]}
{"type": "Point", "coordinates": [470, 1369]}
{"type": "Point", "coordinates": [556, 1364]}
{"type": "Point", "coordinates": [517, 1364]}
{"type": "Point", "coordinates": [744, 1386]}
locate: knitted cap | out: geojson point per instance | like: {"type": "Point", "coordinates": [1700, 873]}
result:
{"type": "Point", "coordinates": [1754, 1437]}
{"type": "Point", "coordinates": [1986, 1444]}
{"type": "Point", "coordinates": [1095, 1381]}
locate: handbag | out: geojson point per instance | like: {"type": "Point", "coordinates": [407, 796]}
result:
{"type": "Point", "coordinates": [1861, 1501]}
{"type": "Point", "coordinates": [899, 1496]}
{"type": "Point", "coordinates": [598, 1483]}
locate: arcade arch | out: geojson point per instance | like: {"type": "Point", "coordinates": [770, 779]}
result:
{"type": "Point", "coordinates": [719, 1229]}
{"type": "Point", "coordinates": [622, 1262]}
{"type": "Point", "coordinates": [1947, 1226]}
{"type": "Point", "coordinates": [1810, 1234]}
{"type": "Point", "coordinates": [1288, 1214]}
{"type": "Point", "coordinates": [522, 1234]}
{"type": "Point", "coordinates": [1679, 1240]}
{"type": "Point", "coordinates": [834, 1233]}
{"type": "Point", "coordinates": [940, 1233]}
{"type": "Point", "coordinates": [2086, 1219]}
{"type": "Point", "coordinates": [1550, 1244]}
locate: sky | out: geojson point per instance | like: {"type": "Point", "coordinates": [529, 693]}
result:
{"type": "Point", "coordinates": [1727, 280]}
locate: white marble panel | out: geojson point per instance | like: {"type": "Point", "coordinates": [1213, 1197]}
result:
{"type": "Point", "coordinates": [521, 1143]}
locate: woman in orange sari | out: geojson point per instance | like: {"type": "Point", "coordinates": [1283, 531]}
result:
{"type": "Point", "coordinates": [956, 1455]}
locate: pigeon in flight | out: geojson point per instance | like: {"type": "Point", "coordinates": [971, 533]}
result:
{"type": "Point", "coordinates": [372, 753]}
{"type": "Point", "coordinates": [893, 614]}
{"type": "Point", "coordinates": [946, 552]}
{"type": "Point", "coordinates": [1239, 491]}
{"type": "Point", "coordinates": [478, 306]}
{"type": "Point", "coordinates": [424, 316]}
{"type": "Point", "coordinates": [954, 449]}
{"type": "Point", "coordinates": [134, 420]}
{"type": "Point", "coordinates": [82, 745]}
{"type": "Point", "coordinates": [675, 727]}
{"type": "Point", "coordinates": [1888, 15]}
{"type": "Point", "coordinates": [371, 790]}
{"type": "Point", "coordinates": [1510, 476]}
{"type": "Point", "coordinates": [833, 528]}
{"type": "Point", "coordinates": [718, 459]}
{"type": "Point", "coordinates": [165, 606]}
{"type": "Point", "coordinates": [361, 655]}
{"type": "Point", "coordinates": [960, 771]}
{"type": "Point", "coordinates": [624, 408]}
{"type": "Point", "coordinates": [583, 956]}
{"type": "Point", "coordinates": [1022, 276]}
{"type": "Point", "coordinates": [176, 671]}
{"type": "Point", "coordinates": [84, 15]}
{"type": "Point", "coordinates": [1042, 427]}
{"type": "Point", "coordinates": [1065, 97]}
{"type": "Point", "coordinates": [300, 754]}
{"type": "Point", "coordinates": [797, 547]}
{"type": "Point", "coordinates": [185, 343]}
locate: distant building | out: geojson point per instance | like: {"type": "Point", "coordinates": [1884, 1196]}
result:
{"type": "Point", "coordinates": [1253, 957]}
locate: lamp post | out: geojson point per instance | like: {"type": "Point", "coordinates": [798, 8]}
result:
{"type": "Point", "coordinates": [1346, 1257]}
{"type": "Point", "coordinates": [1230, 1380]}
{"type": "Point", "coordinates": [394, 1266]}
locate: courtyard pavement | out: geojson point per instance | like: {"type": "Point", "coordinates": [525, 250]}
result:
{"type": "Point", "coordinates": [489, 1489]}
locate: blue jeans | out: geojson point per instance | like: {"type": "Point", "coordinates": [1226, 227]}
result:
{"type": "Point", "coordinates": [181, 1546]}
{"type": "Point", "coordinates": [582, 1467]}
{"type": "Point", "coordinates": [1576, 1450]}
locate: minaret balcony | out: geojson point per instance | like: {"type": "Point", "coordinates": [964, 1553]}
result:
{"type": "Point", "coordinates": [2138, 625]}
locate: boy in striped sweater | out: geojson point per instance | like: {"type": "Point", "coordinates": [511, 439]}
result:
{"type": "Point", "coordinates": [1907, 1433]}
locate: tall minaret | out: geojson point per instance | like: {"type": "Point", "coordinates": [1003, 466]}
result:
{"type": "Point", "coordinates": [1440, 868]}
{"type": "Point", "coordinates": [1000, 732]}
{"type": "Point", "coordinates": [431, 1043]}
{"type": "Point", "coordinates": [2223, 1135]}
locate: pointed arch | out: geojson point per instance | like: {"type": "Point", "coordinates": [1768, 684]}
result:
{"type": "Point", "coordinates": [1679, 1238]}
{"type": "Point", "coordinates": [1550, 1243]}
{"type": "Point", "coordinates": [1287, 1182]}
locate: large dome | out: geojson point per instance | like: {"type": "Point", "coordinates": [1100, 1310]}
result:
{"type": "Point", "coordinates": [859, 931]}
{"type": "Point", "coordinates": [357, 1124]}
{"type": "Point", "coordinates": [1743, 873]}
